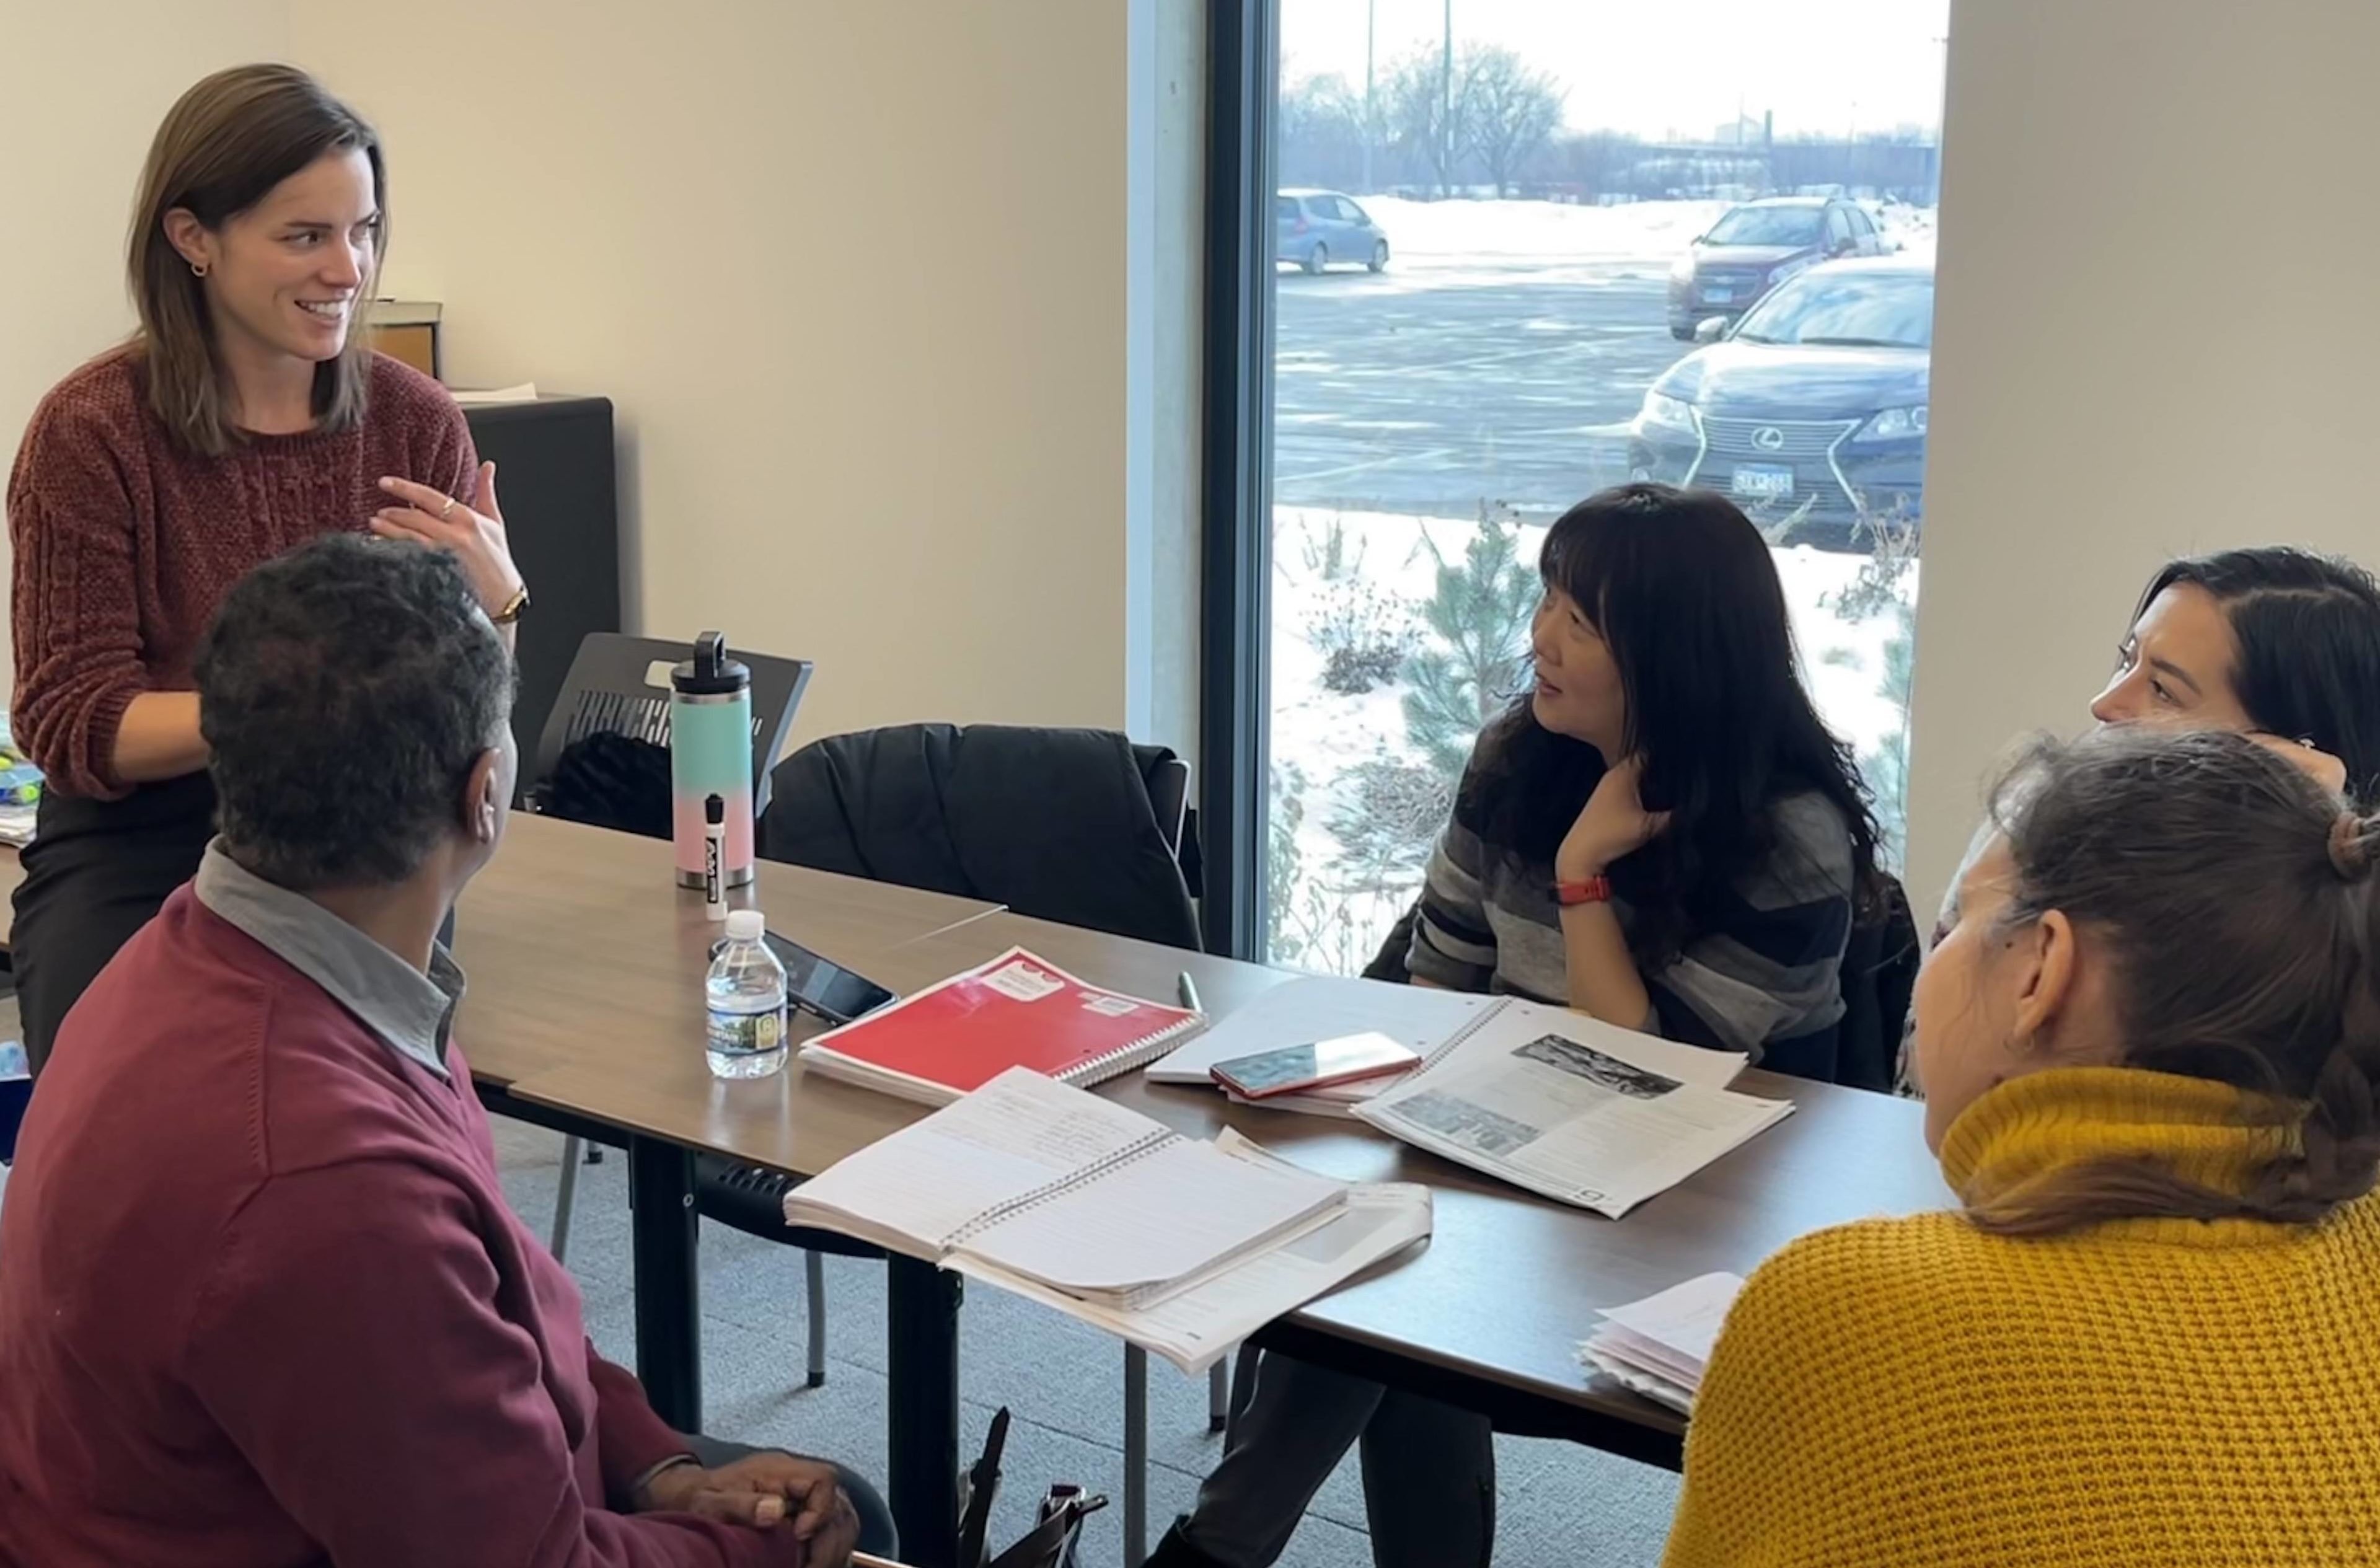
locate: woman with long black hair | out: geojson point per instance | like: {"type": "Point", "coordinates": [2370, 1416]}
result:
{"type": "Point", "coordinates": [1661, 834]}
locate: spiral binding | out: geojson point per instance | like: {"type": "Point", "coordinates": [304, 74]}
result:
{"type": "Point", "coordinates": [1124, 1058]}
{"type": "Point", "coordinates": [1446, 1047]}
{"type": "Point", "coordinates": [1140, 1148]}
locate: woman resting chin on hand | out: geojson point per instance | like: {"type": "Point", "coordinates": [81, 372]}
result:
{"type": "Point", "coordinates": [1663, 833]}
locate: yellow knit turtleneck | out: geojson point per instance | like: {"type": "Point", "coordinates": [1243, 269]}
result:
{"type": "Point", "coordinates": [2030, 1131]}
{"type": "Point", "coordinates": [2147, 1393]}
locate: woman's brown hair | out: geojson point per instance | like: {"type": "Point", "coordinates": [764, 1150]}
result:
{"type": "Point", "coordinates": [2238, 902]}
{"type": "Point", "coordinates": [220, 151]}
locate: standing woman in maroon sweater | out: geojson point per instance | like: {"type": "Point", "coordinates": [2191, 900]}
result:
{"type": "Point", "coordinates": [248, 415]}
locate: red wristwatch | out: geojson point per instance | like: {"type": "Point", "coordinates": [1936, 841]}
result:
{"type": "Point", "coordinates": [1594, 890]}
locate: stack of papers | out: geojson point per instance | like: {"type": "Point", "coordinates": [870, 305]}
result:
{"type": "Point", "coordinates": [480, 398]}
{"type": "Point", "coordinates": [1181, 1246]}
{"type": "Point", "coordinates": [1661, 1346]}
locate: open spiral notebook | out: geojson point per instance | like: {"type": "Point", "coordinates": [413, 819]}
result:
{"type": "Point", "coordinates": [956, 1036]}
{"type": "Point", "coordinates": [1182, 1246]}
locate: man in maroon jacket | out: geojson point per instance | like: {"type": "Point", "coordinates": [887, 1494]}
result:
{"type": "Point", "coordinates": [262, 1301]}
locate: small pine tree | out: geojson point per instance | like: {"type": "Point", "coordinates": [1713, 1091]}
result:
{"type": "Point", "coordinates": [1284, 865]}
{"type": "Point", "coordinates": [1885, 766]}
{"type": "Point", "coordinates": [1388, 819]}
{"type": "Point", "coordinates": [1478, 623]}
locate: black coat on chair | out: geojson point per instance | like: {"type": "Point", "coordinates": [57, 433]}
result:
{"type": "Point", "coordinates": [1061, 825]}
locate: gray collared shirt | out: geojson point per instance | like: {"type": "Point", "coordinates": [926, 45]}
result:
{"type": "Point", "coordinates": [410, 1010]}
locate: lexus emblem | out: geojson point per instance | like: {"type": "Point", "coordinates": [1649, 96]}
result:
{"type": "Point", "coordinates": [1768, 438]}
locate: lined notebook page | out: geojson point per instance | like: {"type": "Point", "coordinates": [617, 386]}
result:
{"type": "Point", "coordinates": [1018, 1133]}
{"type": "Point", "coordinates": [1161, 1217]}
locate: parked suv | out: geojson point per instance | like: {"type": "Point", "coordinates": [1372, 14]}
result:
{"type": "Point", "coordinates": [1314, 229]}
{"type": "Point", "coordinates": [1758, 245]}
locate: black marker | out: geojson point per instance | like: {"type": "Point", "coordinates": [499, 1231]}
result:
{"type": "Point", "coordinates": [714, 857]}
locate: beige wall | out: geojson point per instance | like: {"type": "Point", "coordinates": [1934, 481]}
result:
{"type": "Point", "coordinates": [82, 87]}
{"type": "Point", "coordinates": [860, 279]}
{"type": "Point", "coordinates": [854, 274]}
{"type": "Point", "coordinates": [2150, 338]}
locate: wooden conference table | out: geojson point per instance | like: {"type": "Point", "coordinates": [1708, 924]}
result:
{"type": "Point", "coordinates": [585, 1013]}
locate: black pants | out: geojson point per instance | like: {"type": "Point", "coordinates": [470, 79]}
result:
{"type": "Point", "coordinates": [1429, 1472]}
{"type": "Point", "coordinates": [94, 874]}
{"type": "Point", "coordinates": [877, 1536]}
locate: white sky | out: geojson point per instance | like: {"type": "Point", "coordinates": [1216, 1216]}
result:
{"type": "Point", "coordinates": [1658, 68]}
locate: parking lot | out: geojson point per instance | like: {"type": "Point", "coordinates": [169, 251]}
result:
{"type": "Point", "coordinates": [1498, 359]}
{"type": "Point", "coordinates": [1432, 387]}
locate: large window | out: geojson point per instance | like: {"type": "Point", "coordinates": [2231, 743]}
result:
{"type": "Point", "coordinates": [1523, 249]}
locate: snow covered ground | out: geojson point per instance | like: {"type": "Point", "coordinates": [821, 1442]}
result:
{"type": "Point", "coordinates": [1323, 734]}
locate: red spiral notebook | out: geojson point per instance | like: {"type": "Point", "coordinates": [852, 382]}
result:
{"type": "Point", "coordinates": [952, 1037]}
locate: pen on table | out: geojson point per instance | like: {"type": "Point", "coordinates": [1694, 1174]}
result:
{"type": "Point", "coordinates": [1190, 994]}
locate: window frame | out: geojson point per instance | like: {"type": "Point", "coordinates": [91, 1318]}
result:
{"type": "Point", "coordinates": [1235, 684]}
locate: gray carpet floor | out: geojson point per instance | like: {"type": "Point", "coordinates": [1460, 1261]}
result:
{"type": "Point", "coordinates": [1559, 1504]}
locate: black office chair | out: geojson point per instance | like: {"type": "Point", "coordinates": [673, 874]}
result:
{"type": "Point", "coordinates": [1076, 826]}
{"type": "Point", "coordinates": [618, 687]}
{"type": "Point", "coordinates": [1073, 825]}
{"type": "Point", "coordinates": [1878, 978]}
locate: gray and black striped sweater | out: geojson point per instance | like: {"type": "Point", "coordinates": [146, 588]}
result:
{"type": "Point", "coordinates": [1761, 976]}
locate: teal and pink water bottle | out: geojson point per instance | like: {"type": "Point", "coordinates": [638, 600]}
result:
{"type": "Point", "coordinates": [710, 755]}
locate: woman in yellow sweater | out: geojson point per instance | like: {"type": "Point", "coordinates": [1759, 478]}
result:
{"type": "Point", "coordinates": [2151, 1336]}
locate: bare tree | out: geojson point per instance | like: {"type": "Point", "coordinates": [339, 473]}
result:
{"type": "Point", "coordinates": [1428, 125]}
{"type": "Point", "coordinates": [1320, 132]}
{"type": "Point", "coordinates": [1595, 162]}
{"type": "Point", "coordinates": [1510, 110]}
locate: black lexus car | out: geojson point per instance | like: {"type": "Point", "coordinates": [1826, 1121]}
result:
{"type": "Point", "coordinates": [1811, 410]}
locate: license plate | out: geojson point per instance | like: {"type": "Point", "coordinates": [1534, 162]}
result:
{"type": "Point", "coordinates": [1718, 296]}
{"type": "Point", "coordinates": [1762, 483]}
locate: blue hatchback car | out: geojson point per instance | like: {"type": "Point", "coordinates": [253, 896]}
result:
{"type": "Point", "coordinates": [1314, 228]}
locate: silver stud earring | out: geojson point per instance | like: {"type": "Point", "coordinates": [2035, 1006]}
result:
{"type": "Point", "coordinates": [198, 269]}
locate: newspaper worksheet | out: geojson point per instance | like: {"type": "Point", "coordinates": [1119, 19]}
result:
{"type": "Point", "coordinates": [1572, 1109]}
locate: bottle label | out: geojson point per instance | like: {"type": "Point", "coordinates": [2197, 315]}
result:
{"type": "Point", "coordinates": [747, 1034]}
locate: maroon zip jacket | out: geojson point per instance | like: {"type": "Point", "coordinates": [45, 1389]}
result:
{"type": "Point", "coordinates": [263, 1303]}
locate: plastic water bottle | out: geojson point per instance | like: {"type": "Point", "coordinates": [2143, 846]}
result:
{"type": "Point", "coordinates": [746, 993]}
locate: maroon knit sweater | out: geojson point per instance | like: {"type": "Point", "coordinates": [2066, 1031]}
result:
{"type": "Point", "coordinates": [125, 543]}
{"type": "Point", "coordinates": [263, 1305]}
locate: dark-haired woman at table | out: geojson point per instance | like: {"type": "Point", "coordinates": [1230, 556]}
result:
{"type": "Point", "coordinates": [1661, 834]}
